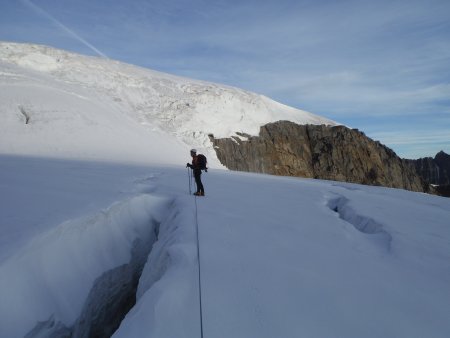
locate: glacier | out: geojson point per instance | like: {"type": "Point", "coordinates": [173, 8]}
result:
{"type": "Point", "coordinates": [89, 100]}
{"type": "Point", "coordinates": [94, 198]}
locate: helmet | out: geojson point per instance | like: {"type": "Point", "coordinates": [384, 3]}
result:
{"type": "Point", "coordinates": [194, 151]}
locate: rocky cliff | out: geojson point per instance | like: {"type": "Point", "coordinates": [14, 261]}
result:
{"type": "Point", "coordinates": [317, 151]}
{"type": "Point", "coordinates": [435, 171]}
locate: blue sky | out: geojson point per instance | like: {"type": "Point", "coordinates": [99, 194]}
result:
{"type": "Point", "coordinates": [380, 66]}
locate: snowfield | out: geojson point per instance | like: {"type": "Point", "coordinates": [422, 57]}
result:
{"type": "Point", "coordinates": [98, 230]}
{"type": "Point", "coordinates": [93, 104]}
{"type": "Point", "coordinates": [280, 257]}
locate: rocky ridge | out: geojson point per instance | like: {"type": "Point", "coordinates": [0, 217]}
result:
{"type": "Point", "coordinates": [318, 151]}
{"type": "Point", "coordinates": [435, 172]}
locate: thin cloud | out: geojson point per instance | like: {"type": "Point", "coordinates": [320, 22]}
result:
{"type": "Point", "coordinates": [66, 29]}
{"type": "Point", "coordinates": [411, 137]}
{"type": "Point", "coordinates": [415, 143]}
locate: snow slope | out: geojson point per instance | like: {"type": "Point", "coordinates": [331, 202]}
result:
{"type": "Point", "coordinates": [280, 257]}
{"type": "Point", "coordinates": [278, 261]}
{"type": "Point", "coordinates": [68, 93]}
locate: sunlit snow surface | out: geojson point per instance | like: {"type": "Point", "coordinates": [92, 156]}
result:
{"type": "Point", "coordinates": [280, 257]}
{"type": "Point", "coordinates": [86, 107]}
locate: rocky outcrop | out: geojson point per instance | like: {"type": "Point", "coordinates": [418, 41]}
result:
{"type": "Point", "coordinates": [435, 171]}
{"type": "Point", "coordinates": [317, 151]}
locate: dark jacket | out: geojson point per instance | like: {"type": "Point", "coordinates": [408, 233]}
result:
{"type": "Point", "coordinates": [195, 165]}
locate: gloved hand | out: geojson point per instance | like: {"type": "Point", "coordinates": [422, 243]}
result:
{"type": "Point", "coordinates": [206, 170]}
{"type": "Point", "coordinates": [188, 165]}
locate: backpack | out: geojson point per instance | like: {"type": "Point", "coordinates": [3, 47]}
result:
{"type": "Point", "coordinates": [201, 161]}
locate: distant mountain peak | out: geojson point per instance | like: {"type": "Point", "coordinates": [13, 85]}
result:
{"type": "Point", "coordinates": [441, 154]}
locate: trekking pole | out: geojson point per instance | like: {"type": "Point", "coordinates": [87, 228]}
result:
{"type": "Point", "coordinates": [189, 179]}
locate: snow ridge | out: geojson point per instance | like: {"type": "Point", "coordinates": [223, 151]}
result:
{"type": "Point", "coordinates": [185, 108]}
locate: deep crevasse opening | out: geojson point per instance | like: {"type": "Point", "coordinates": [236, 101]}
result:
{"type": "Point", "coordinates": [168, 287]}
{"type": "Point", "coordinates": [73, 280]}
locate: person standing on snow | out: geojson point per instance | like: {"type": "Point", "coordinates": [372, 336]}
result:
{"type": "Point", "coordinates": [197, 166]}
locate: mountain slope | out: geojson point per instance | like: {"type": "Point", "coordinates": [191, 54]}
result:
{"type": "Point", "coordinates": [157, 102]}
{"type": "Point", "coordinates": [43, 117]}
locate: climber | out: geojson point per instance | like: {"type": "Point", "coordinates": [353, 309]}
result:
{"type": "Point", "coordinates": [198, 164]}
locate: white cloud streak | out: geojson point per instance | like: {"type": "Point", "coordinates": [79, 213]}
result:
{"type": "Point", "coordinates": [60, 25]}
{"type": "Point", "coordinates": [409, 137]}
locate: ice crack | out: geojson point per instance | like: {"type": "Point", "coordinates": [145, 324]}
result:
{"type": "Point", "coordinates": [366, 225]}
{"type": "Point", "coordinates": [128, 228]}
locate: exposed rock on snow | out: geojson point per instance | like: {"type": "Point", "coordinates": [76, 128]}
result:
{"type": "Point", "coordinates": [333, 153]}
{"type": "Point", "coordinates": [435, 171]}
